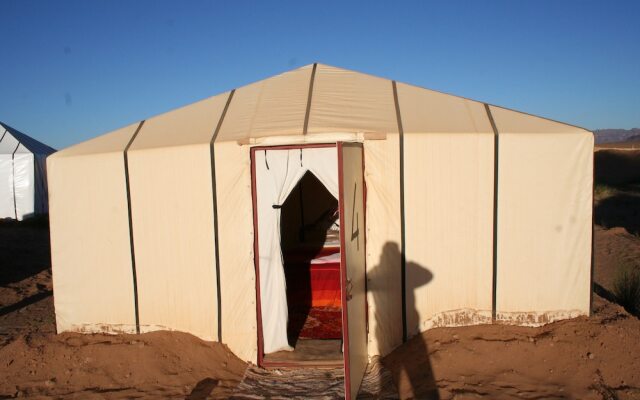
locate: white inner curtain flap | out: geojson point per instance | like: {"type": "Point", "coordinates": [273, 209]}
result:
{"type": "Point", "coordinates": [277, 173]}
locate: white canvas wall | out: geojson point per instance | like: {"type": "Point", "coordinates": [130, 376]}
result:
{"type": "Point", "coordinates": [382, 178]}
{"type": "Point", "coordinates": [544, 219]}
{"type": "Point", "coordinates": [170, 184]}
{"type": "Point", "coordinates": [17, 183]}
{"type": "Point", "coordinates": [171, 205]}
{"type": "Point", "coordinates": [24, 184]}
{"type": "Point", "coordinates": [449, 229]}
{"type": "Point", "coordinates": [237, 270]}
{"type": "Point", "coordinates": [90, 251]}
{"type": "Point", "coordinates": [7, 207]}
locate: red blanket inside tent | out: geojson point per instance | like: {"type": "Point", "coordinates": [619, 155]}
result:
{"type": "Point", "coordinates": [313, 293]}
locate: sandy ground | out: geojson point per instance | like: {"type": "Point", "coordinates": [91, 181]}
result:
{"type": "Point", "coordinates": [152, 365]}
{"type": "Point", "coordinates": [584, 358]}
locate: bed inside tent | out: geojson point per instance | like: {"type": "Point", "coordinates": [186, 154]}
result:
{"type": "Point", "coordinates": [309, 243]}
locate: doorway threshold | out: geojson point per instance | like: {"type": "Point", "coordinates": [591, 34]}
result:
{"type": "Point", "coordinates": [308, 353]}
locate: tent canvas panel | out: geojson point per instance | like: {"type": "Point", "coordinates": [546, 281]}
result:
{"type": "Point", "coordinates": [190, 125]}
{"type": "Point", "coordinates": [544, 226]}
{"type": "Point", "coordinates": [24, 184]}
{"type": "Point", "coordinates": [7, 205]}
{"type": "Point", "coordinates": [114, 141]}
{"type": "Point", "coordinates": [277, 104]}
{"type": "Point", "coordinates": [427, 111]}
{"type": "Point", "coordinates": [449, 229]}
{"type": "Point", "coordinates": [384, 289]}
{"type": "Point", "coordinates": [90, 248]}
{"type": "Point", "coordinates": [172, 218]}
{"type": "Point", "coordinates": [41, 194]}
{"type": "Point", "coordinates": [347, 101]}
{"type": "Point", "coordinates": [237, 270]}
{"type": "Point", "coordinates": [9, 143]}
{"type": "Point", "coordinates": [510, 121]}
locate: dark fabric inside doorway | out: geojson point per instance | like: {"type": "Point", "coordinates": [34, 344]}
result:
{"type": "Point", "coordinates": [311, 251]}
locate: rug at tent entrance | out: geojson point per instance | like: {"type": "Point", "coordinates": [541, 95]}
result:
{"type": "Point", "coordinates": [319, 322]}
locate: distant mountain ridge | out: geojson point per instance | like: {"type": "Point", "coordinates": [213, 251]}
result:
{"type": "Point", "coordinates": [616, 135]}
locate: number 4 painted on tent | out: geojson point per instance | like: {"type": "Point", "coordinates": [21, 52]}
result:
{"type": "Point", "coordinates": [355, 228]}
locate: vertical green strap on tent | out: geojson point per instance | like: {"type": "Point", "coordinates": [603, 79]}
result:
{"type": "Point", "coordinates": [131, 245]}
{"type": "Point", "coordinates": [13, 179]}
{"type": "Point", "coordinates": [309, 97]}
{"type": "Point", "coordinates": [403, 256]}
{"type": "Point", "coordinates": [215, 211]}
{"type": "Point", "coordinates": [495, 212]}
{"type": "Point", "coordinates": [593, 224]}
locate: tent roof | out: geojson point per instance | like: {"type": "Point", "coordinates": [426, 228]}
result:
{"type": "Point", "coordinates": [317, 99]}
{"type": "Point", "coordinates": [15, 141]}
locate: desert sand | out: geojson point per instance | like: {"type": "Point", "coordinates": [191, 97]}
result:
{"type": "Point", "coordinates": [583, 358]}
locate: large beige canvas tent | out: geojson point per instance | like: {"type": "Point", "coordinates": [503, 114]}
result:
{"type": "Point", "coordinates": [450, 212]}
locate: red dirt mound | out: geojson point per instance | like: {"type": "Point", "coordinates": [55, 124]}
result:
{"type": "Point", "coordinates": [583, 358]}
{"type": "Point", "coordinates": [152, 365]}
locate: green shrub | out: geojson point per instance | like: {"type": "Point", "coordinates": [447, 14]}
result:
{"type": "Point", "coordinates": [626, 287]}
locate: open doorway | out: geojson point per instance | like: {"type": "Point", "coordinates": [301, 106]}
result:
{"type": "Point", "coordinates": [297, 254]}
{"type": "Point", "coordinates": [310, 241]}
{"type": "Point", "coordinates": [309, 253]}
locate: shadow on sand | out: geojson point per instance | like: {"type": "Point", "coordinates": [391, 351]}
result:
{"type": "Point", "coordinates": [620, 210]}
{"type": "Point", "coordinates": [203, 389]}
{"type": "Point", "coordinates": [414, 377]}
{"type": "Point", "coordinates": [24, 249]}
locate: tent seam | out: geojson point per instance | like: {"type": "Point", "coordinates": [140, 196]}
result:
{"type": "Point", "coordinates": [13, 179]}
{"type": "Point", "coordinates": [403, 255]}
{"type": "Point", "coordinates": [494, 284]}
{"type": "Point", "coordinates": [307, 114]}
{"type": "Point", "coordinates": [131, 241]}
{"type": "Point", "coordinates": [593, 255]}
{"type": "Point", "coordinates": [214, 195]}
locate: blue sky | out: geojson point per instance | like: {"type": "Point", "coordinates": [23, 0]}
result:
{"type": "Point", "coordinates": [75, 69]}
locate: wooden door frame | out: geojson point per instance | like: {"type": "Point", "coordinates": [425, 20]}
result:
{"type": "Point", "coordinates": [256, 255]}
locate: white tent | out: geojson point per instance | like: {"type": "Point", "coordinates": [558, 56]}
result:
{"type": "Point", "coordinates": [23, 178]}
{"type": "Point", "coordinates": [451, 212]}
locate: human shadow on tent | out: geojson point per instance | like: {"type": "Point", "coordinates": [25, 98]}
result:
{"type": "Point", "coordinates": [410, 365]}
